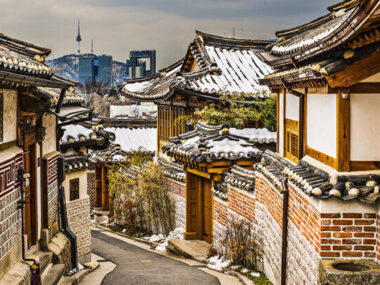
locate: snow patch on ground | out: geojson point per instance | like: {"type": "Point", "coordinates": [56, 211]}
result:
{"type": "Point", "coordinates": [178, 233]}
{"type": "Point", "coordinates": [217, 263]}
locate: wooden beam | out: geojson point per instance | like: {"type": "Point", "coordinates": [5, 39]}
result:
{"type": "Point", "coordinates": [284, 122]}
{"type": "Point", "coordinates": [343, 131]}
{"type": "Point", "coordinates": [199, 173]}
{"type": "Point", "coordinates": [322, 157]}
{"type": "Point", "coordinates": [364, 165]}
{"type": "Point", "coordinates": [365, 88]}
{"type": "Point", "coordinates": [356, 72]}
{"type": "Point", "coordinates": [278, 122]}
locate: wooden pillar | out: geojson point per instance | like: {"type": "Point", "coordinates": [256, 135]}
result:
{"type": "Point", "coordinates": [104, 192]}
{"type": "Point", "coordinates": [343, 130]}
{"type": "Point", "coordinates": [277, 123]}
{"type": "Point", "coordinates": [158, 127]}
{"type": "Point", "coordinates": [301, 130]}
{"type": "Point", "coordinates": [284, 122]}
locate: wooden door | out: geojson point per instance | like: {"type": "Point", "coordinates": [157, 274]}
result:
{"type": "Point", "coordinates": [192, 203]}
{"type": "Point", "coordinates": [206, 210]}
{"type": "Point", "coordinates": [30, 210]}
{"type": "Point", "coordinates": [98, 187]}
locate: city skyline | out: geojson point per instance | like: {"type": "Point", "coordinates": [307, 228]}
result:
{"type": "Point", "coordinates": [167, 26]}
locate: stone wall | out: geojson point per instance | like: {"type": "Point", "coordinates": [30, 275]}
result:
{"type": "Point", "coordinates": [10, 215]}
{"type": "Point", "coordinates": [220, 220]}
{"type": "Point", "coordinates": [91, 187]}
{"type": "Point", "coordinates": [78, 215]}
{"type": "Point", "coordinates": [177, 192]}
{"type": "Point", "coordinates": [52, 190]}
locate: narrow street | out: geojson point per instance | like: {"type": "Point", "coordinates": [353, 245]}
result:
{"type": "Point", "coordinates": [139, 266]}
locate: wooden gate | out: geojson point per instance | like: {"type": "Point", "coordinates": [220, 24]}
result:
{"type": "Point", "coordinates": [199, 208]}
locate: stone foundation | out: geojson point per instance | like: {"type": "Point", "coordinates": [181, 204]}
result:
{"type": "Point", "coordinates": [91, 187]}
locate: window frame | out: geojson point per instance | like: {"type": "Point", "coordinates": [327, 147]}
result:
{"type": "Point", "coordinates": [291, 131]}
{"type": "Point", "coordinates": [74, 193]}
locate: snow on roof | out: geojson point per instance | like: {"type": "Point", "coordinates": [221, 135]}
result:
{"type": "Point", "coordinates": [135, 139]}
{"type": "Point", "coordinates": [76, 132]}
{"type": "Point", "coordinates": [256, 135]}
{"type": "Point", "coordinates": [132, 110]}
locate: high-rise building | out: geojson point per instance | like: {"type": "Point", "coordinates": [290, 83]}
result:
{"type": "Point", "coordinates": [105, 70]}
{"type": "Point", "coordinates": [137, 67]}
{"type": "Point", "coordinates": [88, 68]}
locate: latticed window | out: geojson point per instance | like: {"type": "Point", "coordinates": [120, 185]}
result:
{"type": "Point", "coordinates": [74, 189]}
{"type": "Point", "coordinates": [292, 140]}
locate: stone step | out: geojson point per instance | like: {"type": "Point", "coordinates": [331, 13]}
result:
{"type": "Point", "coordinates": [53, 274]}
{"type": "Point", "coordinates": [195, 249]}
{"type": "Point", "coordinates": [45, 259]}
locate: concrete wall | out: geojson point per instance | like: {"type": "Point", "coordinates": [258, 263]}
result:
{"type": "Point", "coordinates": [9, 115]}
{"type": "Point", "coordinates": [321, 123]}
{"type": "Point", "coordinates": [365, 131]}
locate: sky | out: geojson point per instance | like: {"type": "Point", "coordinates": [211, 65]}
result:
{"type": "Point", "coordinates": [118, 26]}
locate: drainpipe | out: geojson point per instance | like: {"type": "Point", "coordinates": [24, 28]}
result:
{"type": "Point", "coordinates": [285, 204]}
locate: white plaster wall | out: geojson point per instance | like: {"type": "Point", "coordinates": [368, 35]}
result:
{"type": "Point", "coordinates": [292, 107]}
{"type": "Point", "coordinates": [10, 115]}
{"type": "Point", "coordinates": [49, 143]}
{"type": "Point", "coordinates": [321, 123]}
{"type": "Point", "coordinates": [82, 175]}
{"type": "Point", "coordinates": [365, 127]}
{"type": "Point", "coordinates": [280, 139]}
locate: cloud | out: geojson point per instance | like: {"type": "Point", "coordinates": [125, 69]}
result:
{"type": "Point", "coordinates": [118, 26]}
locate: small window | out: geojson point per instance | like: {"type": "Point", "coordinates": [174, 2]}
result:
{"type": "Point", "coordinates": [74, 189]}
{"type": "Point", "coordinates": [292, 140]}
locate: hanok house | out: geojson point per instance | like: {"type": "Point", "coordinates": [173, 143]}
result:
{"type": "Point", "coordinates": [128, 139]}
{"type": "Point", "coordinates": [75, 144]}
{"type": "Point", "coordinates": [205, 154]}
{"type": "Point", "coordinates": [327, 80]}
{"type": "Point", "coordinates": [30, 172]}
{"type": "Point", "coordinates": [213, 67]}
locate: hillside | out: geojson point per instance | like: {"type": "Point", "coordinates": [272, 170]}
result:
{"type": "Point", "coordinates": [69, 64]}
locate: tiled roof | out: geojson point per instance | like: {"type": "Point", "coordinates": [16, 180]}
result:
{"type": "Point", "coordinates": [317, 183]}
{"type": "Point", "coordinates": [209, 143]}
{"type": "Point", "coordinates": [71, 98]}
{"type": "Point", "coordinates": [172, 170]}
{"type": "Point", "coordinates": [23, 63]}
{"type": "Point", "coordinates": [112, 155]}
{"type": "Point", "coordinates": [75, 162]}
{"type": "Point", "coordinates": [224, 66]}
{"type": "Point", "coordinates": [241, 178]}
{"type": "Point", "coordinates": [134, 139]}
{"type": "Point", "coordinates": [94, 137]}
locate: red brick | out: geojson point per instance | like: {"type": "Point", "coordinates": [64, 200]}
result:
{"type": "Point", "coordinates": [330, 254]}
{"type": "Point", "coordinates": [351, 254]}
{"type": "Point", "coordinates": [370, 229]}
{"type": "Point", "coordinates": [364, 222]}
{"type": "Point", "coordinates": [342, 222]}
{"type": "Point", "coordinates": [334, 216]}
{"type": "Point", "coordinates": [364, 235]}
{"type": "Point", "coordinates": [370, 254]}
{"type": "Point", "coordinates": [352, 215]}
{"type": "Point", "coordinates": [351, 241]}
{"type": "Point", "coordinates": [342, 247]}
{"type": "Point", "coordinates": [369, 241]}
{"type": "Point", "coordinates": [331, 241]}
{"type": "Point", "coordinates": [325, 222]}
{"type": "Point", "coordinates": [325, 247]}
{"type": "Point", "coordinates": [342, 235]}
{"type": "Point", "coordinates": [330, 228]}
{"type": "Point", "coordinates": [352, 229]}
{"type": "Point", "coordinates": [370, 216]}
{"type": "Point", "coordinates": [325, 235]}
{"type": "Point", "coordinates": [364, 247]}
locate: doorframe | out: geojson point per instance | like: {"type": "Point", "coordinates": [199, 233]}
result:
{"type": "Point", "coordinates": [198, 234]}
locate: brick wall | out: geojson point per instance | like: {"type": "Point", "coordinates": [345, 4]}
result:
{"type": "Point", "coordinates": [177, 192]}
{"type": "Point", "coordinates": [91, 187]}
{"type": "Point", "coordinates": [220, 220]}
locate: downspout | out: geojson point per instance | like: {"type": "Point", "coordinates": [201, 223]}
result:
{"type": "Point", "coordinates": [61, 193]}
{"type": "Point", "coordinates": [285, 204]}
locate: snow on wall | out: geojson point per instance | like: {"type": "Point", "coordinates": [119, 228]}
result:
{"type": "Point", "coordinates": [365, 131]}
{"type": "Point", "coordinates": [135, 139]}
{"type": "Point", "coordinates": [321, 123]}
{"type": "Point", "coordinates": [292, 107]}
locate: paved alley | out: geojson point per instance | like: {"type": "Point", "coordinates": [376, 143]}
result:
{"type": "Point", "coordinates": [139, 266]}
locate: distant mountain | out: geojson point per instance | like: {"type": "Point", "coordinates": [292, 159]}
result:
{"type": "Point", "coordinates": [67, 66]}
